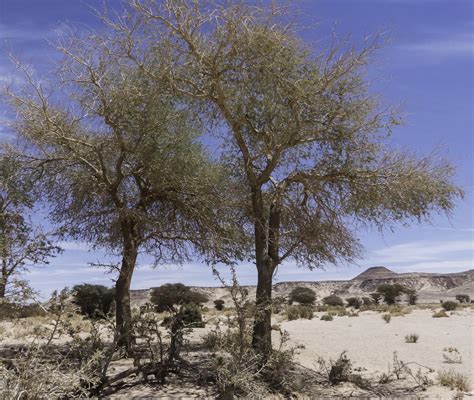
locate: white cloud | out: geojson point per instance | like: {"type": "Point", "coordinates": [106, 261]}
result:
{"type": "Point", "coordinates": [456, 45]}
{"type": "Point", "coordinates": [420, 251]}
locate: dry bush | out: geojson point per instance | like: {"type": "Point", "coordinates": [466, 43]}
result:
{"type": "Point", "coordinates": [300, 311]}
{"type": "Point", "coordinates": [440, 314]}
{"type": "Point", "coordinates": [412, 338]}
{"type": "Point", "coordinates": [238, 369]}
{"type": "Point", "coordinates": [326, 317]}
{"type": "Point", "coordinates": [454, 380]}
{"type": "Point", "coordinates": [449, 305]}
{"type": "Point", "coordinates": [451, 355]}
{"type": "Point", "coordinates": [386, 318]}
{"type": "Point", "coordinates": [402, 370]}
{"type": "Point", "coordinates": [340, 370]}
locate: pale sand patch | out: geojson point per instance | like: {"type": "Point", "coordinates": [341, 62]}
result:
{"type": "Point", "coordinates": [370, 342]}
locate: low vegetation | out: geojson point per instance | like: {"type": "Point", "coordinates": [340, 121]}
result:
{"type": "Point", "coordinates": [326, 317]}
{"type": "Point", "coordinates": [333, 300]}
{"type": "Point", "coordinates": [386, 318]}
{"type": "Point", "coordinates": [440, 314]}
{"type": "Point", "coordinates": [219, 304]}
{"type": "Point", "coordinates": [449, 305]}
{"type": "Point", "coordinates": [412, 338]}
{"type": "Point", "coordinates": [463, 298]}
{"type": "Point", "coordinates": [454, 380]}
{"type": "Point", "coordinates": [451, 355]}
{"type": "Point", "coordinates": [299, 311]}
{"type": "Point", "coordinates": [303, 295]}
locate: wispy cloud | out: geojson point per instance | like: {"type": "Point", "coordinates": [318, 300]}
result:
{"type": "Point", "coordinates": [454, 45]}
{"type": "Point", "coordinates": [421, 251]}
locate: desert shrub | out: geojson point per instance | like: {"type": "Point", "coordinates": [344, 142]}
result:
{"type": "Point", "coordinates": [367, 301]}
{"type": "Point", "coordinates": [391, 293]}
{"type": "Point", "coordinates": [322, 307]}
{"type": "Point", "coordinates": [401, 370]}
{"type": "Point", "coordinates": [352, 314]}
{"type": "Point", "coordinates": [333, 300]}
{"type": "Point", "coordinates": [278, 304]}
{"type": "Point", "coordinates": [188, 315]}
{"type": "Point", "coordinates": [303, 295]}
{"type": "Point", "coordinates": [449, 305]}
{"type": "Point", "coordinates": [412, 298]}
{"type": "Point", "coordinates": [463, 298]}
{"type": "Point", "coordinates": [237, 368]}
{"type": "Point", "coordinates": [326, 317]}
{"type": "Point", "coordinates": [299, 311]}
{"type": "Point", "coordinates": [354, 302]}
{"type": "Point", "coordinates": [219, 304]}
{"type": "Point", "coordinates": [386, 318]}
{"type": "Point", "coordinates": [440, 314]}
{"type": "Point", "coordinates": [376, 297]}
{"type": "Point", "coordinates": [339, 370]}
{"type": "Point", "coordinates": [173, 295]}
{"type": "Point", "coordinates": [94, 301]}
{"type": "Point", "coordinates": [411, 338]}
{"type": "Point", "coordinates": [451, 355]}
{"type": "Point", "coordinates": [454, 380]}
{"type": "Point", "coordinates": [17, 310]}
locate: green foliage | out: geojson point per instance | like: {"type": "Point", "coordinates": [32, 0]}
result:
{"type": "Point", "coordinates": [412, 338]}
{"type": "Point", "coordinates": [376, 297]}
{"type": "Point", "coordinates": [188, 315]}
{"type": "Point", "coordinates": [16, 310]}
{"type": "Point", "coordinates": [333, 300]}
{"type": "Point", "coordinates": [463, 298]}
{"type": "Point", "coordinates": [386, 318]}
{"type": "Point", "coordinates": [172, 295]}
{"type": "Point", "coordinates": [391, 293]}
{"type": "Point", "coordinates": [354, 302]}
{"type": "Point", "coordinates": [278, 304]}
{"type": "Point", "coordinates": [219, 304]}
{"type": "Point", "coordinates": [412, 298]}
{"type": "Point", "coordinates": [303, 295]}
{"type": "Point", "coordinates": [326, 317]}
{"type": "Point", "coordinates": [367, 301]}
{"type": "Point", "coordinates": [450, 305]}
{"type": "Point", "coordinates": [299, 311]}
{"type": "Point", "coordinates": [94, 301]}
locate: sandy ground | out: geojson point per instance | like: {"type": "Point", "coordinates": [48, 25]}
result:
{"type": "Point", "coordinates": [370, 342]}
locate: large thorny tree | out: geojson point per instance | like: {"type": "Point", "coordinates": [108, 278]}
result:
{"type": "Point", "coordinates": [22, 245]}
{"type": "Point", "coordinates": [304, 139]}
{"type": "Point", "coordinates": [119, 163]}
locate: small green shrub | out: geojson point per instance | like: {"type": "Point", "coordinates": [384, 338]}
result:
{"type": "Point", "coordinates": [440, 314]}
{"type": "Point", "coordinates": [302, 295]}
{"type": "Point", "coordinates": [294, 312]}
{"type": "Point", "coordinates": [449, 305]}
{"type": "Point", "coordinates": [386, 318]}
{"type": "Point", "coordinates": [391, 293]}
{"type": "Point", "coordinates": [326, 317]}
{"type": "Point", "coordinates": [94, 301]}
{"type": "Point", "coordinates": [219, 304]}
{"type": "Point", "coordinates": [454, 380]}
{"type": "Point", "coordinates": [171, 296]}
{"type": "Point", "coordinates": [376, 297]}
{"type": "Point", "coordinates": [411, 338]}
{"type": "Point", "coordinates": [354, 302]}
{"type": "Point", "coordinates": [333, 300]}
{"type": "Point", "coordinates": [367, 301]}
{"type": "Point", "coordinates": [463, 298]}
{"type": "Point", "coordinates": [278, 304]}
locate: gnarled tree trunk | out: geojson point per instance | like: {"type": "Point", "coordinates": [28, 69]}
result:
{"type": "Point", "coordinates": [122, 286]}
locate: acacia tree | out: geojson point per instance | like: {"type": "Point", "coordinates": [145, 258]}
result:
{"type": "Point", "coordinates": [119, 163]}
{"type": "Point", "coordinates": [22, 245]}
{"type": "Point", "coordinates": [304, 138]}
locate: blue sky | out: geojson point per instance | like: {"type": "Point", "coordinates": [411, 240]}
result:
{"type": "Point", "coordinates": [426, 66]}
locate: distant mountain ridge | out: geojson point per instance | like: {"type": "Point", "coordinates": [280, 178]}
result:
{"type": "Point", "coordinates": [431, 287]}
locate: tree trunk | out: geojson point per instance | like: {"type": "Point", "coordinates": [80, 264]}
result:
{"type": "Point", "coordinates": [3, 287]}
{"type": "Point", "coordinates": [122, 286]}
{"type": "Point", "coordinates": [262, 329]}
{"type": "Point", "coordinates": [3, 277]}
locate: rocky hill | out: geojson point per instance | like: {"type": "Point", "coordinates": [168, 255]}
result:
{"type": "Point", "coordinates": [431, 287]}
